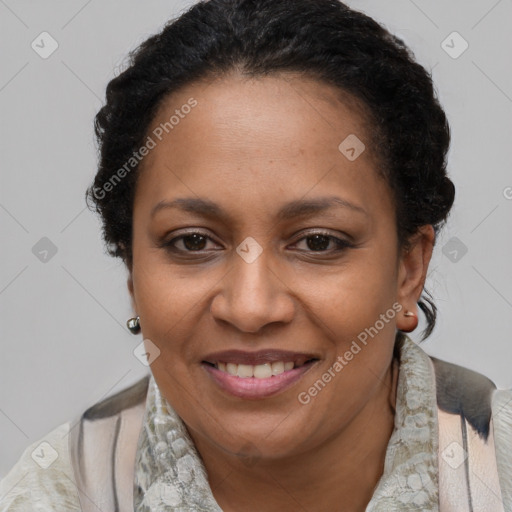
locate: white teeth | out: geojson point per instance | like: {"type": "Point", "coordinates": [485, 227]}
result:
{"type": "Point", "coordinates": [262, 371]}
{"type": "Point", "coordinates": [259, 371]}
{"type": "Point", "coordinates": [278, 368]}
{"type": "Point", "coordinates": [231, 368]}
{"type": "Point", "coordinates": [245, 370]}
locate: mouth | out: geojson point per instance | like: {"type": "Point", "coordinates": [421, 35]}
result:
{"type": "Point", "coordinates": [257, 375]}
{"type": "Point", "coordinates": [258, 371]}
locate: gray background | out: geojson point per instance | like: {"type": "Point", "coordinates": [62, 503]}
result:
{"type": "Point", "coordinates": [62, 325]}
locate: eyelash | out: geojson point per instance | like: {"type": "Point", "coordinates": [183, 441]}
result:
{"type": "Point", "coordinates": [341, 245]}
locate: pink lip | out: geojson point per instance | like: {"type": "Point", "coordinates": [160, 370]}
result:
{"type": "Point", "coordinates": [253, 388]}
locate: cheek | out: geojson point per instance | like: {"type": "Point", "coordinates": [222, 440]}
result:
{"type": "Point", "coordinates": [168, 296]}
{"type": "Point", "coordinates": [354, 297]}
{"type": "Point", "coordinates": [360, 324]}
{"type": "Point", "coordinates": [345, 387]}
{"type": "Point", "coordinates": [357, 312]}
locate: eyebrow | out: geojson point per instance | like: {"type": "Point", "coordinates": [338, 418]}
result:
{"type": "Point", "coordinates": [297, 208]}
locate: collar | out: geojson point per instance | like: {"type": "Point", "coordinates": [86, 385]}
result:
{"type": "Point", "coordinates": [170, 475]}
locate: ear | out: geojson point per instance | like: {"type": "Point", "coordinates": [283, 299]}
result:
{"type": "Point", "coordinates": [412, 272]}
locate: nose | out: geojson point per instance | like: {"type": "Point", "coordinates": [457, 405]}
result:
{"type": "Point", "coordinates": [253, 295]}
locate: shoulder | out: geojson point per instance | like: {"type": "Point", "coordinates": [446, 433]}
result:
{"type": "Point", "coordinates": [126, 399]}
{"type": "Point", "coordinates": [42, 479]}
{"type": "Point", "coordinates": [103, 447]}
{"type": "Point", "coordinates": [50, 471]}
{"type": "Point", "coordinates": [475, 397]}
{"type": "Point", "coordinates": [465, 392]}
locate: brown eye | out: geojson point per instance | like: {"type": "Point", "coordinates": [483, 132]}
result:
{"type": "Point", "coordinates": [323, 243]}
{"type": "Point", "coordinates": [318, 242]}
{"type": "Point", "coordinates": [188, 242]}
{"type": "Point", "coordinates": [194, 242]}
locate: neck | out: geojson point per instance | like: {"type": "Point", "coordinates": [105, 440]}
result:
{"type": "Point", "coordinates": [340, 474]}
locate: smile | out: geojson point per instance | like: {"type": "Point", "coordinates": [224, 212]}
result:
{"type": "Point", "coordinates": [253, 382]}
{"type": "Point", "coordinates": [260, 371]}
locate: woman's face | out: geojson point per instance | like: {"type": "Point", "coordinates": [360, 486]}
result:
{"type": "Point", "coordinates": [297, 253]}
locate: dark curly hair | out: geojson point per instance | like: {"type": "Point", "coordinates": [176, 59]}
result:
{"type": "Point", "coordinates": [322, 39]}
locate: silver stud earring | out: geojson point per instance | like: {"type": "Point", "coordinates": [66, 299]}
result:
{"type": "Point", "coordinates": [134, 325]}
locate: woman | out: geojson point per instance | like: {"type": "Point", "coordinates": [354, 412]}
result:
{"type": "Point", "coordinates": [273, 176]}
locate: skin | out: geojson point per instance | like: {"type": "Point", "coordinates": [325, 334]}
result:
{"type": "Point", "coordinates": [251, 146]}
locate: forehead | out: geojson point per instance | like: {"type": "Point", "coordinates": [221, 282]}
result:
{"type": "Point", "coordinates": [275, 114]}
{"type": "Point", "coordinates": [280, 132]}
